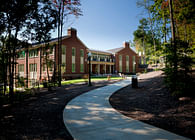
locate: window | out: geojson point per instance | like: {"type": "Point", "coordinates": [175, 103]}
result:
{"type": "Point", "coordinates": [73, 51]}
{"type": "Point", "coordinates": [81, 60]}
{"type": "Point", "coordinates": [73, 59]}
{"type": "Point", "coordinates": [63, 49]}
{"type": "Point", "coordinates": [127, 63]}
{"type": "Point", "coordinates": [21, 68]}
{"type": "Point", "coordinates": [33, 67]}
{"type": "Point", "coordinates": [21, 54]}
{"type": "Point", "coordinates": [73, 67]}
{"type": "Point", "coordinates": [82, 53]}
{"type": "Point", "coordinates": [120, 63]}
{"type": "Point", "coordinates": [33, 53]}
{"type": "Point", "coordinates": [63, 68]}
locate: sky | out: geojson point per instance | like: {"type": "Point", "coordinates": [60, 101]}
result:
{"type": "Point", "coordinates": [106, 24]}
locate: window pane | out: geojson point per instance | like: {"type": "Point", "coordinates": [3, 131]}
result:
{"type": "Point", "coordinates": [73, 51]}
{"type": "Point", "coordinates": [63, 49]}
{"type": "Point", "coordinates": [82, 67]}
{"type": "Point", "coordinates": [73, 67]}
{"type": "Point", "coordinates": [81, 53]}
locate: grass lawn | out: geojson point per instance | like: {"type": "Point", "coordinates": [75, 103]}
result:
{"type": "Point", "coordinates": [21, 93]}
{"type": "Point", "coordinates": [86, 80]}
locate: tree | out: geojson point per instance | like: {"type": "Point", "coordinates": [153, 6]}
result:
{"type": "Point", "coordinates": [144, 42]}
{"type": "Point", "coordinates": [65, 8]}
{"type": "Point", "coordinates": [14, 14]}
{"type": "Point", "coordinates": [45, 23]}
{"type": "Point", "coordinates": [176, 18]}
{"type": "Point", "coordinates": [147, 5]}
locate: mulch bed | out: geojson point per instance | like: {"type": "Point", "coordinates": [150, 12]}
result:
{"type": "Point", "coordinates": [153, 104]}
{"type": "Point", "coordinates": [41, 116]}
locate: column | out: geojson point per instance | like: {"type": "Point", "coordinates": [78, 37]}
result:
{"type": "Point", "coordinates": [105, 68]}
{"type": "Point", "coordinates": [110, 69]}
{"type": "Point", "coordinates": [98, 68]}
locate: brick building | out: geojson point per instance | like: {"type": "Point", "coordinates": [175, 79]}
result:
{"type": "Point", "coordinates": [40, 61]}
{"type": "Point", "coordinates": [126, 60]}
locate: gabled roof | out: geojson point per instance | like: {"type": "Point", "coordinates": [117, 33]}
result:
{"type": "Point", "coordinates": [98, 51]}
{"type": "Point", "coordinates": [52, 40]}
{"type": "Point", "coordinates": [115, 50]}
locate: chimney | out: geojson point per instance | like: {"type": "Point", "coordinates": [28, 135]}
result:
{"type": "Point", "coordinates": [72, 32]}
{"type": "Point", "coordinates": [126, 44]}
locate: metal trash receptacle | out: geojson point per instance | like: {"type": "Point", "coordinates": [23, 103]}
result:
{"type": "Point", "coordinates": [134, 81]}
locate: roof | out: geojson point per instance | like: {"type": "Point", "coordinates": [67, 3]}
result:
{"type": "Point", "coordinates": [52, 40]}
{"type": "Point", "coordinates": [115, 50]}
{"type": "Point", "coordinates": [101, 52]}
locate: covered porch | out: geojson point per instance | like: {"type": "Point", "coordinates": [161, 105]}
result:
{"type": "Point", "coordinates": [102, 67]}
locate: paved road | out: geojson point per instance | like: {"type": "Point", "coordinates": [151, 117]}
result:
{"type": "Point", "coordinates": [91, 117]}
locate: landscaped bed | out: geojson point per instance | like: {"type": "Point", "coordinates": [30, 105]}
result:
{"type": "Point", "coordinates": [153, 104]}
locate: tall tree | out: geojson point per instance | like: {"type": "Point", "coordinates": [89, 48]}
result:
{"type": "Point", "coordinates": [65, 8]}
{"type": "Point", "coordinates": [146, 4]}
{"type": "Point", "coordinates": [144, 42]}
{"type": "Point", "coordinates": [176, 19]}
{"type": "Point", "coordinates": [14, 14]}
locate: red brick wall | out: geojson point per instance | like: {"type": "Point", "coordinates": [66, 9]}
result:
{"type": "Point", "coordinates": [130, 53]}
{"type": "Point", "coordinates": [71, 42]}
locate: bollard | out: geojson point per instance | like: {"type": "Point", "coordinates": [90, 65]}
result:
{"type": "Point", "coordinates": [134, 81]}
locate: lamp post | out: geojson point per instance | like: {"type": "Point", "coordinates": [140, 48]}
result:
{"type": "Point", "coordinates": [89, 80]}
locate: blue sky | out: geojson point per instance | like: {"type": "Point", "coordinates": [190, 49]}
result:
{"type": "Point", "coordinates": [106, 24]}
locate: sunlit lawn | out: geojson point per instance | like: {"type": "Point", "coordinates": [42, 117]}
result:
{"type": "Point", "coordinates": [86, 80]}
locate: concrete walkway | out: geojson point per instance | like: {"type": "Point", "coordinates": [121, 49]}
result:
{"type": "Point", "coordinates": [91, 117]}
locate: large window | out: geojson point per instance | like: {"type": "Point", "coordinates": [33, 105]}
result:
{"type": "Point", "coordinates": [63, 59]}
{"type": "Point", "coordinates": [33, 53]}
{"type": "Point", "coordinates": [33, 71]}
{"type": "Point", "coordinates": [127, 63]}
{"type": "Point", "coordinates": [120, 63]}
{"type": "Point", "coordinates": [33, 67]}
{"type": "Point", "coordinates": [73, 59]}
{"type": "Point", "coordinates": [21, 68]}
{"type": "Point", "coordinates": [81, 60]}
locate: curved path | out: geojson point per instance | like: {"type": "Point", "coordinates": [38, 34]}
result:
{"type": "Point", "coordinates": [91, 117]}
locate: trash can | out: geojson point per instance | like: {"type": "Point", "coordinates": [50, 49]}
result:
{"type": "Point", "coordinates": [134, 81]}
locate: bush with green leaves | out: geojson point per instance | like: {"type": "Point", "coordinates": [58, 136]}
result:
{"type": "Point", "coordinates": [179, 79]}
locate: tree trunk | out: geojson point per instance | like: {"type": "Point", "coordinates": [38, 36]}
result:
{"type": "Point", "coordinates": [59, 33]}
{"type": "Point", "coordinates": [40, 65]}
{"type": "Point", "coordinates": [54, 75]}
{"type": "Point", "coordinates": [27, 67]}
{"type": "Point", "coordinates": [173, 36]}
{"type": "Point", "coordinates": [14, 58]}
{"type": "Point", "coordinates": [172, 21]}
{"type": "Point", "coordinates": [185, 33]}
{"type": "Point", "coordinates": [10, 66]}
{"type": "Point", "coordinates": [174, 45]}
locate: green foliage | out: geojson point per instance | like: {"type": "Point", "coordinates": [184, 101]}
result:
{"type": "Point", "coordinates": [179, 82]}
{"type": "Point", "coordinates": [20, 82]}
{"type": "Point", "coordinates": [144, 42]}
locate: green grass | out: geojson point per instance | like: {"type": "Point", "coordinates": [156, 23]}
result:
{"type": "Point", "coordinates": [86, 80]}
{"type": "Point", "coordinates": [21, 95]}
